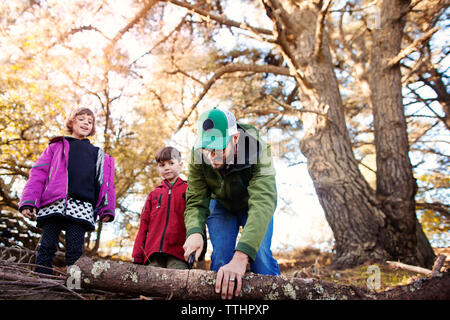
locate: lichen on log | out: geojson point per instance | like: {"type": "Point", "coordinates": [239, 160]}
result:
{"type": "Point", "coordinates": [200, 284]}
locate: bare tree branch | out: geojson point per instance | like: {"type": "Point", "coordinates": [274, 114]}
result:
{"type": "Point", "coordinates": [184, 73]}
{"type": "Point", "coordinates": [161, 41]}
{"type": "Point", "coordinates": [148, 4]}
{"type": "Point", "coordinates": [427, 104]}
{"type": "Point", "coordinates": [220, 19]}
{"type": "Point", "coordinates": [229, 69]}
{"type": "Point", "coordinates": [403, 266]}
{"type": "Point", "coordinates": [413, 46]}
{"type": "Point", "coordinates": [276, 13]}
{"type": "Point", "coordinates": [84, 28]}
{"type": "Point", "coordinates": [292, 110]}
{"type": "Point", "coordinates": [442, 208]}
{"type": "Point", "coordinates": [319, 29]}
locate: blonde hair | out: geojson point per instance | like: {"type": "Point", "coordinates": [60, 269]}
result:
{"type": "Point", "coordinates": [78, 112]}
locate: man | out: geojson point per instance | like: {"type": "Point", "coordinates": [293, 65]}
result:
{"type": "Point", "coordinates": [231, 183]}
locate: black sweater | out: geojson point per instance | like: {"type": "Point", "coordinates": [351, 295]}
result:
{"type": "Point", "coordinates": [82, 169]}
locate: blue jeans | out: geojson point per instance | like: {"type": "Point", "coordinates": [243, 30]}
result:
{"type": "Point", "coordinates": [223, 227]}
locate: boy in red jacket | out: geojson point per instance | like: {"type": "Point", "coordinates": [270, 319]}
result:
{"type": "Point", "coordinates": [159, 241]}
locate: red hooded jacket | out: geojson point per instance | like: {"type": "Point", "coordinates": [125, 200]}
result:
{"type": "Point", "coordinates": [162, 226]}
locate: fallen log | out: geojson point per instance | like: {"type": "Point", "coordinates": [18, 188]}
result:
{"type": "Point", "coordinates": [123, 278]}
{"type": "Point", "coordinates": [196, 284]}
{"type": "Point", "coordinates": [434, 288]}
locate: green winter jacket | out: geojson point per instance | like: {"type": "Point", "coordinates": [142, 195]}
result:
{"type": "Point", "coordinates": [249, 183]}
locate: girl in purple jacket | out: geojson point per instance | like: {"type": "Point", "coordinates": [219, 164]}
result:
{"type": "Point", "coordinates": [69, 187]}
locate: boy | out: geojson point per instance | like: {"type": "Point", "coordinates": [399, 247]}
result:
{"type": "Point", "coordinates": [162, 232]}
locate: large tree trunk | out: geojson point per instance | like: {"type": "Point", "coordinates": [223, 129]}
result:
{"type": "Point", "coordinates": [349, 203]}
{"type": "Point", "coordinates": [124, 277]}
{"type": "Point", "coordinates": [402, 236]}
{"type": "Point", "coordinates": [362, 229]}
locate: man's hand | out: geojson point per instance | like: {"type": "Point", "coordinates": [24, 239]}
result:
{"type": "Point", "coordinates": [29, 214]}
{"type": "Point", "coordinates": [230, 275]}
{"type": "Point", "coordinates": [193, 243]}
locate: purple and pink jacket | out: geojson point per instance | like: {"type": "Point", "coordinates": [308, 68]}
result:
{"type": "Point", "coordinates": [48, 179]}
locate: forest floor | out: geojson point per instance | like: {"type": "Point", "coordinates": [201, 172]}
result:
{"type": "Point", "coordinates": [312, 263]}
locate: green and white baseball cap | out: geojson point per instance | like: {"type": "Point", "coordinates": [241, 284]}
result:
{"type": "Point", "coordinates": [215, 128]}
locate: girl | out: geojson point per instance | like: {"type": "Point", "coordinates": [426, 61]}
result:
{"type": "Point", "coordinates": [69, 187]}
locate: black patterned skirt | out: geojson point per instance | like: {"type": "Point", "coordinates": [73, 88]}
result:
{"type": "Point", "coordinates": [75, 210]}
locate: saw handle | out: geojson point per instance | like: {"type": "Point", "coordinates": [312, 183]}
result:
{"type": "Point", "coordinates": [191, 260]}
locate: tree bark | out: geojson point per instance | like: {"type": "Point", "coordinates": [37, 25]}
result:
{"type": "Point", "coordinates": [401, 236]}
{"type": "Point", "coordinates": [435, 288]}
{"type": "Point", "coordinates": [349, 203]}
{"type": "Point", "coordinates": [127, 278]}
{"type": "Point", "coordinates": [367, 225]}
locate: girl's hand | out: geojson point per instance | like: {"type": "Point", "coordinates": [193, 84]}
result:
{"type": "Point", "coordinates": [106, 218]}
{"type": "Point", "coordinates": [29, 214]}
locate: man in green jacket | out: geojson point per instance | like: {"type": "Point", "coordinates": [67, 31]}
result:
{"type": "Point", "coordinates": [231, 183]}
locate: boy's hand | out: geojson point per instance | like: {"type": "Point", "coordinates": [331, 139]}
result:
{"type": "Point", "coordinates": [193, 243]}
{"type": "Point", "coordinates": [30, 214]}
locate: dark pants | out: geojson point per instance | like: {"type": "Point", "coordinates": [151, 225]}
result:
{"type": "Point", "coordinates": [48, 245]}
